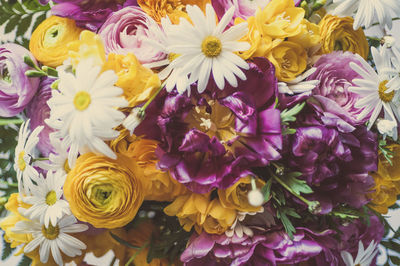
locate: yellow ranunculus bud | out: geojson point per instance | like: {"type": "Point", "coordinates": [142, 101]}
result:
{"type": "Point", "coordinates": [309, 35]}
{"type": "Point", "coordinates": [337, 33]}
{"type": "Point", "coordinates": [387, 182]}
{"type": "Point", "coordinates": [289, 59]}
{"type": "Point", "coordinates": [104, 192]}
{"type": "Point", "coordinates": [139, 83]}
{"type": "Point", "coordinates": [49, 40]}
{"type": "Point", "coordinates": [235, 197]}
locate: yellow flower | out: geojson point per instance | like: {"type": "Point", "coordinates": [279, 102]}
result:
{"type": "Point", "coordinates": [197, 210]}
{"type": "Point", "coordinates": [289, 59]}
{"type": "Point", "coordinates": [104, 192]}
{"type": "Point", "coordinates": [88, 46]}
{"type": "Point", "coordinates": [387, 182]}
{"type": "Point", "coordinates": [309, 35]}
{"type": "Point", "coordinates": [49, 40]}
{"type": "Point", "coordinates": [138, 82]}
{"type": "Point", "coordinates": [175, 9]}
{"type": "Point", "coordinates": [8, 223]}
{"type": "Point", "coordinates": [337, 34]}
{"type": "Point", "coordinates": [280, 19]}
{"type": "Point", "coordinates": [235, 197]}
{"type": "Point", "coordinates": [158, 185]}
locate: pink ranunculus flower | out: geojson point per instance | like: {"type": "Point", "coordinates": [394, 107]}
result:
{"type": "Point", "coordinates": [243, 8]}
{"type": "Point", "coordinates": [131, 30]}
{"type": "Point", "coordinates": [16, 89]}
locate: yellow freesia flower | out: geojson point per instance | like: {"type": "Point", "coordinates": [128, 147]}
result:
{"type": "Point", "coordinates": [309, 35]}
{"type": "Point", "coordinates": [49, 40]}
{"type": "Point", "coordinates": [289, 59]}
{"type": "Point", "coordinates": [387, 182]}
{"type": "Point", "coordinates": [337, 33]}
{"type": "Point", "coordinates": [104, 192]}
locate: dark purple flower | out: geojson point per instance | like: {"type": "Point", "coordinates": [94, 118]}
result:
{"type": "Point", "coordinates": [211, 140]}
{"type": "Point", "coordinates": [89, 14]}
{"type": "Point", "coordinates": [334, 156]}
{"type": "Point", "coordinates": [38, 111]}
{"type": "Point", "coordinates": [16, 89]}
{"type": "Point", "coordinates": [336, 76]}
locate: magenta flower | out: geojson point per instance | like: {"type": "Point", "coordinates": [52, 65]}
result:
{"type": "Point", "coordinates": [243, 8]}
{"type": "Point", "coordinates": [335, 76]}
{"type": "Point", "coordinates": [38, 111]}
{"type": "Point", "coordinates": [213, 139]}
{"type": "Point", "coordinates": [127, 31]}
{"type": "Point", "coordinates": [16, 89]}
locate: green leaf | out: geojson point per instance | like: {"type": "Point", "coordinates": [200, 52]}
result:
{"type": "Point", "coordinates": [297, 185]}
{"type": "Point", "coordinates": [23, 25]}
{"type": "Point", "coordinates": [7, 250]}
{"type": "Point", "coordinates": [25, 261]}
{"type": "Point", "coordinates": [11, 24]}
{"type": "Point", "coordinates": [395, 260]}
{"type": "Point", "coordinates": [123, 242]}
{"type": "Point", "coordinates": [266, 190]}
{"type": "Point", "coordinates": [289, 115]}
{"type": "Point", "coordinates": [39, 20]}
{"type": "Point", "coordinates": [282, 214]}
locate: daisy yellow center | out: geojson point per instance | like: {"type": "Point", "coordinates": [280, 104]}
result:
{"type": "Point", "coordinates": [21, 162]}
{"type": "Point", "coordinates": [211, 46]}
{"type": "Point", "coordinates": [66, 166]}
{"type": "Point", "coordinates": [51, 232]}
{"type": "Point", "coordinates": [82, 100]}
{"type": "Point", "coordinates": [385, 97]}
{"type": "Point", "coordinates": [51, 198]}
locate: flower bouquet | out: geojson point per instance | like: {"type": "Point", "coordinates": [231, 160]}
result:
{"type": "Point", "coordinates": [230, 132]}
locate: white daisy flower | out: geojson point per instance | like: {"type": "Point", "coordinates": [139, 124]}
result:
{"type": "Point", "coordinates": [58, 159]}
{"type": "Point", "coordinates": [53, 238]}
{"type": "Point", "coordinates": [204, 47]}
{"type": "Point", "coordinates": [47, 204]}
{"type": "Point", "coordinates": [24, 153]}
{"type": "Point", "coordinates": [364, 257]}
{"type": "Point", "coordinates": [368, 11]}
{"type": "Point", "coordinates": [84, 110]}
{"type": "Point", "coordinates": [387, 128]}
{"type": "Point", "coordinates": [299, 85]}
{"type": "Point", "coordinates": [374, 88]}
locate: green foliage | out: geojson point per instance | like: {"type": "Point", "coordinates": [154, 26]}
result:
{"type": "Point", "coordinates": [298, 186]}
{"type": "Point", "coordinates": [283, 213]}
{"type": "Point", "coordinates": [7, 250]}
{"type": "Point", "coordinates": [289, 115]}
{"type": "Point", "coordinates": [22, 17]}
{"type": "Point", "coordinates": [25, 261]}
{"type": "Point", "coordinates": [388, 154]}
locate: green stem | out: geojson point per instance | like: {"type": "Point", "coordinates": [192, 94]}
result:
{"type": "Point", "coordinates": [377, 23]}
{"type": "Point", "coordinates": [137, 253]}
{"type": "Point", "coordinates": [8, 184]}
{"type": "Point", "coordinates": [40, 159]}
{"type": "Point", "coordinates": [16, 121]}
{"type": "Point", "coordinates": [152, 98]}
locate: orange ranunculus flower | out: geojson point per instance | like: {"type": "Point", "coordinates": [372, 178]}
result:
{"type": "Point", "coordinates": [235, 197]}
{"type": "Point", "coordinates": [104, 192]}
{"type": "Point", "coordinates": [49, 40]}
{"type": "Point", "coordinates": [199, 211]}
{"type": "Point", "coordinates": [158, 185]}
{"type": "Point", "coordinates": [337, 33]}
{"type": "Point", "coordinates": [289, 59]}
{"type": "Point", "coordinates": [175, 9]}
{"type": "Point", "coordinates": [280, 19]}
{"type": "Point", "coordinates": [138, 82]}
{"type": "Point", "coordinates": [387, 182]}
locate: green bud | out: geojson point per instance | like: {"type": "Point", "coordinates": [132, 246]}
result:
{"type": "Point", "coordinates": [54, 85]}
{"type": "Point", "coordinates": [28, 60]}
{"type": "Point", "coordinates": [50, 71]}
{"type": "Point", "coordinates": [35, 73]}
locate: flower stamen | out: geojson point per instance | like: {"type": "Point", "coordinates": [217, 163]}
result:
{"type": "Point", "coordinates": [51, 232]}
{"type": "Point", "coordinates": [82, 100]}
{"type": "Point", "coordinates": [211, 46]}
{"type": "Point", "coordinates": [51, 198]}
{"type": "Point", "coordinates": [383, 95]}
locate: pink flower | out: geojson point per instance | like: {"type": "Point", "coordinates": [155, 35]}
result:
{"type": "Point", "coordinates": [243, 8]}
{"type": "Point", "coordinates": [130, 30]}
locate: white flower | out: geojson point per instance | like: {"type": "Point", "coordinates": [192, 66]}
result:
{"type": "Point", "coordinates": [387, 128]}
{"type": "Point", "coordinates": [133, 120]}
{"type": "Point", "coordinates": [47, 205]}
{"type": "Point", "coordinates": [240, 229]}
{"type": "Point", "coordinates": [53, 238]}
{"type": "Point", "coordinates": [204, 47]}
{"type": "Point", "coordinates": [24, 153]}
{"type": "Point", "coordinates": [298, 85]}
{"type": "Point", "coordinates": [368, 11]}
{"type": "Point", "coordinates": [364, 257]}
{"type": "Point", "coordinates": [374, 88]}
{"type": "Point", "coordinates": [84, 110]}
{"type": "Point", "coordinates": [58, 159]}
{"type": "Point", "coordinates": [255, 197]}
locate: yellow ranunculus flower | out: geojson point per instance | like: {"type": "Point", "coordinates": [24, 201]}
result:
{"type": "Point", "coordinates": [309, 35]}
{"type": "Point", "coordinates": [197, 210]}
{"type": "Point", "coordinates": [137, 81]}
{"type": "Point", "coordinates": [174, 9]}
{"type": "Point", "coordinates": [280, 19]}
{"type": "Point", "coordinates": [49, 40]}
{"type": "Point", "coordinates": [235, 197]}
{"type": "Point", "coordinates": [289, 59]}
{"type": "Point", "coordinates": [337, 33]}
{"type": "Point", "coordinates": [387, 182]}
{"type": "Point", "coordinates": [158, 185]}
{"type": "Point", "coordinates": [8, 223]}
{"type": "Point", "coordinates": [104, 192]}
{"type": "Point", "coordinates": [88, 46]}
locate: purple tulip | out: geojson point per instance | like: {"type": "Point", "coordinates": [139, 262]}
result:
{"type": "Point", "coordinates": [127, 30]}
{"type": "Point", "coordinates": [16, 89]}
